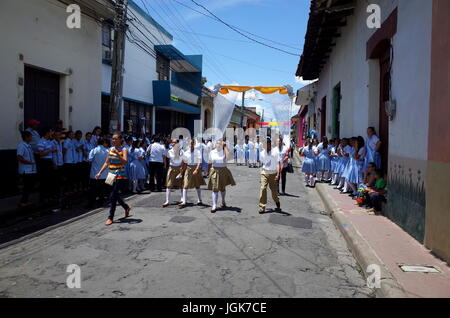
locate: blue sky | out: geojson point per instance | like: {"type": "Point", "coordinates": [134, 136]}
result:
{"type": "Point", "coordinates": [230, 58]}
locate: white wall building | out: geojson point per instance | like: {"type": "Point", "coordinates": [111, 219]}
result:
{"type": "Point", "coordinates": [48, 71]}
{"type": "Point", "coordinates": [359, 69]}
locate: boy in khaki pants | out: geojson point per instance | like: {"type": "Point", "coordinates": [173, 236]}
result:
{"type": "Point", "coordinates": [270, 173]}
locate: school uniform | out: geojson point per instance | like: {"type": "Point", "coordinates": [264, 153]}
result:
{"type": "Point", "coordinates": [175, 162]}
{"type": "Point", "coordinates": [28, 172]}
{"type": "Point", "coordinates": [86, 165]}
{"type": "Point", "coordinates": [192, 159]}
{"type": "Point", "coordinates": [246, 152]}
{"type": "Point", "coordinates": [69, 163]}
{"type": "Point", "coordinates": [78, 163]}
{"type": "Point", "coordinates": [334, 164]}
{"type": "Point", "coordinates": [323, 163]}
{"type": "Point", "coordinates": [239, 154]}
{"type": "Point", "coordinates": [309, 165]}
{"type": "Point", "coordinates": [46, 169]}
{"type": "Point", "coordinates": [342, 166]}
{"type": "Point", "coordinates": [372, 155]}
{"type": "Point", "coordinates": [220, 176]}
{"type": "Point", "coordinates": [35, 138]}
{"type": "Point", "coordinates": [58, 161]}
{"type": "Point", "coordinates": [97, 158]}
{"type": "Point", "coordinates": [269, 173]}
{"type": "Point", "coordinates": [251, 154]}
{"type": "Point", "coordinates": [137, 169]}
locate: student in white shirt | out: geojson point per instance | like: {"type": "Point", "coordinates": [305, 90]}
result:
{"type": "Point", "coordinates": [27, 167]}
{"type": "Point", "coordinates": [270, 174]}
{"type": "Point", "coordinates": [174, 177]}
{"type": "Point", "coordinates": [219, 175]}
{"type": "Point", "coordinates": [46, 149]}
{"type": "Point", "coordinates": [193, 179]}
{"type": "Point", "coordinates": [156, 154]}
{"type": "Point", "coordinates": [97, 157]}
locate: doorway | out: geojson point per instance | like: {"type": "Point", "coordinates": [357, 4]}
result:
{"type": "Point", "coordinates": [385, 85]}
{"type": "Point", "coordinates": [41, 97]}
{"type": "Point", "coordinates": [323, 118]}
{"type": "Point", "coordinates": [336, 111]}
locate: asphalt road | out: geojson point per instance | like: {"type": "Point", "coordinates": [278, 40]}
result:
{"type": "Point", "coordinates": [191, 252]}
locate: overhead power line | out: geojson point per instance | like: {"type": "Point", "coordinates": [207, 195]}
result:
{"type": "Point", "coordinates": [213, 17]}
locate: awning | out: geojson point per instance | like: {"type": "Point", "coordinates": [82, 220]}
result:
{"type": "Point", "coordinates": [178, 61]}
{"type": "Point", "coordinates": [283, 90]}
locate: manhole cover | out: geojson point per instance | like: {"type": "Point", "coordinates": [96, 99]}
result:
{"type": "Point", "coordinates": [419, 269]}
{"type": "Point", "coordinates": [297, 222]}
{"type": "Point", "coordinates": [182, 219]}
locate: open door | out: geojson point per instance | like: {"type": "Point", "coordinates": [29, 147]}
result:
{"type": "Point", "coordinates": [385, 82]}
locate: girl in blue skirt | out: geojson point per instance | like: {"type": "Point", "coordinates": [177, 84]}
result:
{"type": "Point", "coordinates": [356, 170]}
{"type": "Point", "coordinates": [323, 160]}
{"type": "Point", "coordinates": [309, 164]}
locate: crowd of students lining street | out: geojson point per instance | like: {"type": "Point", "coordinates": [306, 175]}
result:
{"type": "Point", "coordinates": [352, 165]}
{"type": "Point", "coordinates": [63, 164]}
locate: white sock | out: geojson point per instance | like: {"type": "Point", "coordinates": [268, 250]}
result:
{"type": "Point", "coordinates": [306, 178]}
{"type": "Point", "coordinates": [135, 185]}
{"type": "Point", "coordinates": [199, 194]}
{"type": "Point", "coordinates": [341, 183]}
{"type": "Point", "coordinates": [346, 186]}
{"type": "Point", "coordinates": [167, 195]}
{"type": "Point", "coordinates": [312, 181]}
{"type": "Point", "coordinates": [223, 197]}
{"type": "Point", "coordinates": [319, 175]}
{"type": "Point", "coordinates": [215, 198]}
{"type": "Point", "coordinates": [183, 198]}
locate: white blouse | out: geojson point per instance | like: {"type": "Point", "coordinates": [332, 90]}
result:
{"type": "Point", "coordinates": [175, 161]}
{"type": "Point", "coordinates": [217, 159]}
{"type": "Point", "coordinates": [192, 158]}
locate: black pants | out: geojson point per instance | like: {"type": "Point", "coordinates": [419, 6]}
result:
{"type": "Point", "coordinates": [69, 176]}
{"type": "Point", "coordinates": [29, 181]}
{"type": "Point", "coordinates": [46, 179]}
{"type": "Point", "coordinates": [283, 181]}
{"type": "Point", "coordinates": [116, 198]}
{"type": "Point", "coordinates": [156, 170]}
{"type": "Point", "coordinates": [86, 171]}
{"type": "Point", "coordinates": [97, 189]}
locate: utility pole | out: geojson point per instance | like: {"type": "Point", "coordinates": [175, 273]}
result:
{"type": "Point", "coordinates": [242, 109]}
{"type": "Point", "coordinates": [116, 98]}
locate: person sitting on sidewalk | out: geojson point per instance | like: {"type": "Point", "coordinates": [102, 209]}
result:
{"type": "Point", "coordinates": [369, 175]}
{"type": "Point", "coordinates": [377, 193]}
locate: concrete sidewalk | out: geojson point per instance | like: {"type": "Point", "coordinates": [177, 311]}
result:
{"type": "Point", "coordinates": [376, 240]}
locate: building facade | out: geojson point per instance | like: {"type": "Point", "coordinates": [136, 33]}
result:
{"type": "Point", "coordinates": [162, 86]}
{"type": "Point", "coordinates": [391, 78]}
{"type": "Point", "coordinates": [48, 71]}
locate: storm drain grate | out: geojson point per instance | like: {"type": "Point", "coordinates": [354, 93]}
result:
{"type": "Point", "coordinates": [182, 219]}
{"type": "Point", "coordinates": [419, 269]}
{"type": "Point", "coordinates": [297, 222]}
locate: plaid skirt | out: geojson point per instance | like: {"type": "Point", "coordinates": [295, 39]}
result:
{"type": "Point", "coordinates": [192, 181]}
{"type": "Point", "coordinates": [219, 179]}
{"type": "Point", "coordinates": [172, 181]}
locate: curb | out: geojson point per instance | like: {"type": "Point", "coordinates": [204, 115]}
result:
{"type": "Point", "coordinates": [361, 250]}
{"type": "Point", "coordinates": [55, 226]}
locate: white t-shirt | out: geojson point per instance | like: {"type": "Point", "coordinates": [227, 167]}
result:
{"type": "Point", "coordinates": [157, 151]}
{"type": "Point", "coordinates": [269, 161]}
{"type": "Point", "coordinates": [217, 158]}
{"type": "Point", "coordinates": [192, 158]}
{"type": "Point", "coordinates": [175, 161]}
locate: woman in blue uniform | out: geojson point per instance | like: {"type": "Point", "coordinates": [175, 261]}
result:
{"type": "Point", "coordinates": [323, 160]}
{"type": "Point", "coordinates": [309, 164]}
{"type": "Point", "coordinates": [137, 167]}
{"type": "Point", "coordinates": [356, 166]}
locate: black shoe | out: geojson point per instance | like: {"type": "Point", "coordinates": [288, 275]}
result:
{"type": "Point", "coordinates": [278, 209]}
{"type": "Point", "coordinates": [213, 210]}
{"type": "Point", "coordinates": [262, 211]}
